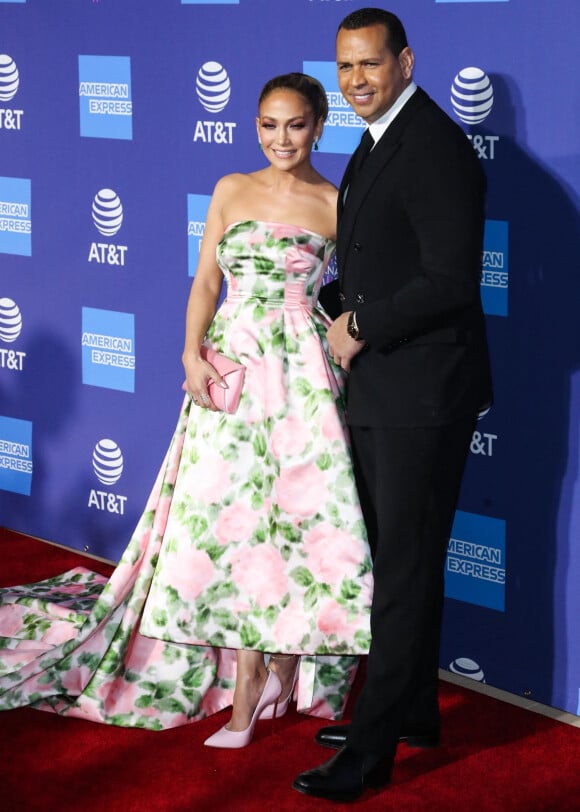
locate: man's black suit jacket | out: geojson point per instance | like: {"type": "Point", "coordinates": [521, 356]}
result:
{"type": "Point", "coordinates": [409, 260]}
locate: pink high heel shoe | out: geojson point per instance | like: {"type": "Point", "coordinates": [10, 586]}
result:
{"type": "Point", "coordinates": [234, 739]}
{"type": "Point", "coordinates": [278, 709]}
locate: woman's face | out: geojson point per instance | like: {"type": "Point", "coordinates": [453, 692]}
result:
{"type": "Point", "coordinates": [286, 128]}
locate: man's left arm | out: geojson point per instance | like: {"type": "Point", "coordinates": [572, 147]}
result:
{"type": "Point", "coordinates": [443, 197]}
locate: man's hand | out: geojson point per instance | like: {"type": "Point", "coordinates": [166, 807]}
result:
{"type": "Point", "coordinates": [342, 347]}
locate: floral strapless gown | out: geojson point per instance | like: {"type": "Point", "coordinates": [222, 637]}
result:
{"type": "Point", "coordinates": [251, 538]}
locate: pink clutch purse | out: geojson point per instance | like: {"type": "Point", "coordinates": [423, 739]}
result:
{"type": "Point", "coordinates": [226, 400]}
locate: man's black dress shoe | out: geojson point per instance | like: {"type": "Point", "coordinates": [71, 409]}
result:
{"type": "Point", "coordinates": [334, 736]}
{"type": "Point", "coordinates": [345, 776]}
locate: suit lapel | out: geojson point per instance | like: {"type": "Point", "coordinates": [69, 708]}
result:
{"type": "Point", "coordinates": [344, 184]}
{"type": "Point", "coordinates": [360, 184]}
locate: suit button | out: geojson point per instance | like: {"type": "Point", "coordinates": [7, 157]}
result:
{"type": "Point", "coordinates": [342, 297]}
{"type": "Point", "coordinates": [357, 247]}
{"type": "Point", "coordinates": [360, 298]}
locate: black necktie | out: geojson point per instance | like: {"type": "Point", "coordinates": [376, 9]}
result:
{"type": "Point", "coordinates": [367, 142]}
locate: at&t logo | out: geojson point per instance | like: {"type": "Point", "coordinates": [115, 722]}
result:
{"type": "Point", "coordinates": [9, 84]}
{"type": "Point", "coordinates": [484, 145]}
{"type": "Point", "coordinates": [213, 87]}
{"type": "Point", "coordinates": [466, 667]}
{"type": "Point", "coordinates": [10, 329]}
{"type": "Point", "coordinates": [213, 92]}
{"type": "Point", "coordinates": [108, 468]}
{"type": "Point", "coordinates": [472, 95]}
{"type": "Point", "coordinates": [482, 443]}
{"type": "Point", "coordinates": [108, 219]}
{"type": "Point", "coordinates": [472, 102]}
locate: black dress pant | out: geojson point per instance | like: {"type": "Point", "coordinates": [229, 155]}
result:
{"type": "Point", "coordinates": [408, 480]}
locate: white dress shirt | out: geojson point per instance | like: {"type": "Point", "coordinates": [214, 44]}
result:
{"type": "Point", "coordinates": [378, 127]}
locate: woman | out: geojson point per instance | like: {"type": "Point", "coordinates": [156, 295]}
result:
{"type": "Point", "coordinates": [252, 542]}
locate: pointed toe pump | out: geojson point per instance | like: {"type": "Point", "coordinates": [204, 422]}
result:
{"type": "Point", "coordinates": [234, 739]}
{"type": "Point", "coordinates": [278, 709]}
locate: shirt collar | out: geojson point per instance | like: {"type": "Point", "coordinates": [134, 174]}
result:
{"type": "Point", "coordinates": [378, 127]}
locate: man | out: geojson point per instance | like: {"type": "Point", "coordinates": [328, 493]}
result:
{"type": "Point", "coordinates": [412, 334]}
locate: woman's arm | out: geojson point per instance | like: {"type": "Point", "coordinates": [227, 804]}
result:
{"type": "Point", "coordinates": [202, 302]}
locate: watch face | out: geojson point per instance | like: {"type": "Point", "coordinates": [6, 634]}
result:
{"type": "Point", "coordinates": [351, 328]}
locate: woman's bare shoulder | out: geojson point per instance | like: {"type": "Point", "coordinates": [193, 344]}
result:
{"type": "Point", "coordinates": [232, 181]}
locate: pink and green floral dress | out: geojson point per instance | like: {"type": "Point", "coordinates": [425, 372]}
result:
{"type": "Point", "coordinates": [252, 536]}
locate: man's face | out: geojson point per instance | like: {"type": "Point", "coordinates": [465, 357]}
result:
{"type": "Point", "coordinates": [370, 77]}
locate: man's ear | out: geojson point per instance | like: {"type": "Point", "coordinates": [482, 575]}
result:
{"type": "Point", "coordinates": [407, 62]}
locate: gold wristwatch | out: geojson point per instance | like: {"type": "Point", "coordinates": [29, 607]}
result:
{"type": "Point", "coordinates": [352, 326]}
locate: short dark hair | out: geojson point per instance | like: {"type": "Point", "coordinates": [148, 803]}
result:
{"type": "Point", "coordinates": [364, 17]}
{"type": "Point", "coordinates": [307, 86]}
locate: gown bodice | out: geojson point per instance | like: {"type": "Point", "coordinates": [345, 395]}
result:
{"type": "Point", "coordinates": [278, 264]}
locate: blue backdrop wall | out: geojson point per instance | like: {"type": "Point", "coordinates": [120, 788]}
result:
{"type": "Point", "coordinates": [116, 119]}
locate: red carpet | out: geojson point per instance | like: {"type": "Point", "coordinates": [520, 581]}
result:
{"type": "Point", "coordinates": [493, 756]}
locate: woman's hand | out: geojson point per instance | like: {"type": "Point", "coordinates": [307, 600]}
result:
{"type": "Point", "coordinates": [198, 373]}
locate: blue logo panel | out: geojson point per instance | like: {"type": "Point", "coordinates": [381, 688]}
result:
{"type": "Point", "coordinates": [331, 272]}
{"type": "Point", "coordinates": [343, 127]}
{"type": "Point", "coordinates": [475, 566]}
{"type": "Point", "coordinates": [197, 206]}
{"type": "Point", "coordinates": [495, 268]}
{"type": "Point", "coordinates": [210, 2]}
{"type": "Point", "coordinates": [108, 347]}
{"type": "Point", "coordinates": [106, 108]}
{"type": "Point", "coordinates": [15, 455]}
{"type": "Point", "coordinates": [15, 217]}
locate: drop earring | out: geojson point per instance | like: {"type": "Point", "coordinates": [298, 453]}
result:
{"type": "Point", "coordinates": [316, 145]}
{"type": "Point", "coordinates": [260, 145]}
